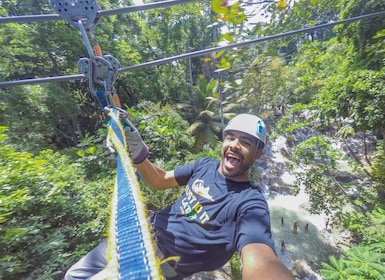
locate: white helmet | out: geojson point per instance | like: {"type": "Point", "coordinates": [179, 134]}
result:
{"type": "Point", "coordinates": [249, 124]}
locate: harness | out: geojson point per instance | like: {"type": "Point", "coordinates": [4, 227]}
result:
{"type": "Point", "coordinates": [132, 252]}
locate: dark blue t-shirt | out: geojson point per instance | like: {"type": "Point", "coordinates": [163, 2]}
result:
{"type": "Point", "coordinates": [212, 219]}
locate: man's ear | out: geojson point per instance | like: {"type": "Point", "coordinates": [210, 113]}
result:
{"type": "Point", "coordinates": [258, 154]}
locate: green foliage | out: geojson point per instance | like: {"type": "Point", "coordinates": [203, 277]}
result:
{"type": "Point", "coordinates": [166, 134]}
{"type": "Point", "coordinates": [315, 148]}
{"type": "Point", "coordinates": [366, 260]}
{"type": "Point", "coordinates": [206, 127]}
{"type": "Point", "coordinates": [160, 33]}
{"type": "Point", "coordinates": [228, 12]}
{"type": "Point", "coordinates": [203, 96]}
{"type": "Point", "coordinates": [335, 270]}
{"type": "Point", "coordinates": [309, 72]}
{"type": "Point", "coordinates": [369, 226]}
{"type": "Point", "coordinates": [357, 263]}
{"type": "Point", "coordinates": [43, 49]}
{"type": "Point", "coordinates": [378, 171]}
{"type": "Point", "coordinates": [44, 116]}
{"type": "Point", "coordinates": [236, 267]}
{"type": "Point", "coordinates": [207, 151]}
{"type": "Point", "coordinates": [163, 130]}
{"type": "Point", "coordinates": [299, 14]}
{"type": "Point", "coordinates": [358, 95]}
{"type": "Point", "coordinates": [264, 85]}
{"type": "Point", "coordinates": [94, 157]}
{"type": "Point", "coordinates": [47, 209]}
{"type": "Point", "coordinates": [361, 34]}
{"type": "Point", "coordinates": [379, 46]}
{"type": "Point", "coordinates": [326, 194]}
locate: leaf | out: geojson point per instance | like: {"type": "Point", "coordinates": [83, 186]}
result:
{"type": "Point", "coordinates": [14, 233]}
{"type": "Point", "coordinates": [81, 153]}
{"type": "Point", "coordinates": [226, 37]}
{"type": "Point", "coordinates": [345, 132]}
{"type": "Point", "coordinates": [92, 149]}
{"type": "Point", "coordinates": [4, 216]}
{"type": "Point", "coordinates": [281, 5]}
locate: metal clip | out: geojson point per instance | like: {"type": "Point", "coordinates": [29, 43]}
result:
{"type": "Point", "coordinates": [101, 70]}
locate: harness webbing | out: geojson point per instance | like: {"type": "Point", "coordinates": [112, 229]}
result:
{"type": "Point", "coordinates": [131, 250]}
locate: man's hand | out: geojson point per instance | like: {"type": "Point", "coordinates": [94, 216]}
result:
{"type": "Point", "coordinates": [136, 147]}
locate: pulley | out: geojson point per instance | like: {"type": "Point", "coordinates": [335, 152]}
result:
{"type": "Point", "coordinates": [100, 69]}
{"type": "Point", "coordinates": [78, 10]}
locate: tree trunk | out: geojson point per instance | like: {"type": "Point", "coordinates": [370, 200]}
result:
{"type": "Point", "coordinates": [383, 139]}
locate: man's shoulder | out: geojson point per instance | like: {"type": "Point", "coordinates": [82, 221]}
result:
{"type": "Point", "coordinates": [207, 163]}
{"type": "Point", "coordinates": [207, 160]}
{"type": "Point", "coordinates": [184, 172]}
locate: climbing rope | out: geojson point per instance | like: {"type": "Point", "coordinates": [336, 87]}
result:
{"type": "Point", "coordinates": [131, 251]}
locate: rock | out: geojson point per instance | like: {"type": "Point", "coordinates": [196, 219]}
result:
{"type": "Point", "coordinates": [302, 270]}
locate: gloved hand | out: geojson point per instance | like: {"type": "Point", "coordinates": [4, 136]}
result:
{"type": "Point", "coordinates": [136, 147]}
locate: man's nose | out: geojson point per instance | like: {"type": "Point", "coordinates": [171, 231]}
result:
{"type": "Point", "coordinates": [235, 143]}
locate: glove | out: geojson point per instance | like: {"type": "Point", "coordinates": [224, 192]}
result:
{"type": "Point", "coordinates": [136, 147]}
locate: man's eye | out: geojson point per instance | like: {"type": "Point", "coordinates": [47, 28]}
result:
{"type": "Point", "coordinates": [246, 143]}
{"type": "Point", "coordinates": [229, 138]}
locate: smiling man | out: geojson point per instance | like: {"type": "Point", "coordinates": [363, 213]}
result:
{"type": "Point", "coordinates": [245, 138]}
{"type": "Point", "coordinates": [220, 212]}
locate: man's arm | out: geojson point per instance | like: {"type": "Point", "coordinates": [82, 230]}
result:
{"type": "Point", "coordinates": [260, 262]}
{"type": "Point", "coordinates": [156, 177]}
{"type": "Point", "coordinates": [152, 175]}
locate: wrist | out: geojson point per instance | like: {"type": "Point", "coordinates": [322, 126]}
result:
{"type": "Point", "coordinates": [142, 155]}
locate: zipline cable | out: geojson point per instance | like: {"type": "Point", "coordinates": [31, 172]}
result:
{"type": "Point", "coordinates": [42, 80]}
{"type": "Point", "coordinates": [120, 11]}
{"type": "Point", "coordinates": [195, 53]}
{"type": "Point", "coordinates": [244, 43]}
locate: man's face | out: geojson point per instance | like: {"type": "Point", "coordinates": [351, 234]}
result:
{"type": "Point", "coordinates": [239, 151]}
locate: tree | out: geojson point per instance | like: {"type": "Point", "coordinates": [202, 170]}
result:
{"type": "Point", "coordinates": [44, 116]}
{"type": "Point", "coordinates": [48, 210]}
{"type": "Point", "coordinates": [161, 33]}
{"type": "Point", "coordinates": [202, 109]}
{"type": "Point", "coordinates": [295, 16]}
{"type": "Point", "coordinates": [361, 34]}
{"type": "Point", "coordinates": [355, 94]}
{"type": "Point", "coordinates": [264, 87]}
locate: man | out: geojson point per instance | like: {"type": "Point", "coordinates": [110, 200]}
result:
{"type": "Point", "coordinates": [219, 213]}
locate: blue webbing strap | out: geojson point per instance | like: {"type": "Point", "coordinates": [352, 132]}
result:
{"type": "Point", "coordinates": [131, 250]}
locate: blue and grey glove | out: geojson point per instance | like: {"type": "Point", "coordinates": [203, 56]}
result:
{"type": "Point", "coordinates": [136, 147]}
